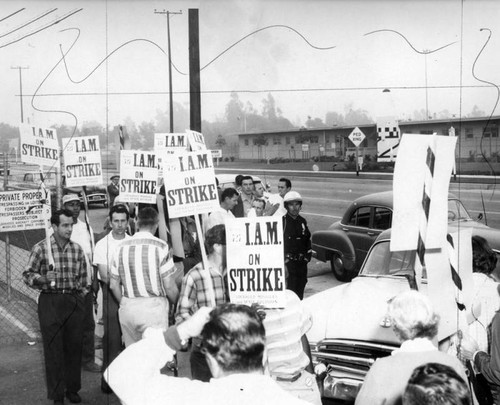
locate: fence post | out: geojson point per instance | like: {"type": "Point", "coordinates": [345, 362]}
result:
{"type": "Point", "coordinates": [7, 239]}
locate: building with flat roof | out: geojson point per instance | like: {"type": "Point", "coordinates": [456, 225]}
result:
{"type": "Point", "coordinates": [477, 136]}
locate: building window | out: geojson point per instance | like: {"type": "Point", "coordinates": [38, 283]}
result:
{"type": "Point", "coordinates": [314, 139]}
{"type": "Point", "coordinates": [276, 140]}
{"type": "Point", "coordinates": [469, 133]}
{"type": "Point", "coordinates": [287, 140]}
{"type": "Point", "coordinates": [246, 142]}
{"type": "Point", "coordinates": [491, 132]}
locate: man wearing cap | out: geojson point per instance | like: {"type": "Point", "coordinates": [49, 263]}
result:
{"type": "Point", "coordinates": [60, 306]}
{"type": "Point", "coordinates": [297, 243]}
{"type": "Point", "coordinates": [85, 238]}
{"type": "Point", "coordinates": [113, 189]}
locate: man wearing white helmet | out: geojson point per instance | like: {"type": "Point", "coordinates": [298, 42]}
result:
{"type": "Point", "coordinates": [297, 243]}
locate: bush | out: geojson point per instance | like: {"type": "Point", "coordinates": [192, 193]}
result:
{"type": "Point", "coordinates": [232, 158]}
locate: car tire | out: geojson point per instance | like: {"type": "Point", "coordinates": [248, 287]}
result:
{"type": "Point", "coordinates": [339, 270]}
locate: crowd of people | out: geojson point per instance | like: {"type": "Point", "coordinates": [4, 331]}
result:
{"type": "Point", "coordinates": [238, 354]}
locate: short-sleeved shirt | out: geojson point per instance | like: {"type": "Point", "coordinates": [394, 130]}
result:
{"type": "Point", "coordinates": [284, 330]}
{"type": "Point", "coordinates": [218, 217]}
{"type": "Point", "coordinates": [70, 266]}
{"type": "Point", "coordinates": [106, 248]}
{"type": "Point", "coordinates": [195, 291]}
{"type": "Point", "coordinates": [140, 264]}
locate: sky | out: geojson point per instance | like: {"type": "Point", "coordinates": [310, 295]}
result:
{"type": "Point", "coordinates": [313, 56]}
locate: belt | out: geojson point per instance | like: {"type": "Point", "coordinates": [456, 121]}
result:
{"type": "Point", "coordinates": [63, 291]}
{"type": "Point", "coordinates": [290, 378]}
{"type": "Point", "coordinates": [295, 256]}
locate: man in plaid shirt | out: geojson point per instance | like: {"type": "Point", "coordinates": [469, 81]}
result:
{"type": "Point", "coordinates": [60, 306]}
{"type": "Point", "coordinates": [204, 288]}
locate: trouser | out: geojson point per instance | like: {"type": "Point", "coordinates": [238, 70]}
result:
{"type": "Point", "coordinates": [305, 388]}
{"type": "Point", "coordinates": [199, 366]}
{"type": "Point", "coordinates": [88, 343]}
{"type": "Point", "coordinates": [112, 338]}
{"type": "Point", "coordinates": [137, 314]}
{"type": "Point", "coordinates": [297, 276]}
{"type": "Point", "coordinates": [61, 324]}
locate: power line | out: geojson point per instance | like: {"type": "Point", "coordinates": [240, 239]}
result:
{"type": "Point", "coordinates": [57, 21]}
{"type": "Point", "coordinates": [14, 13]}
{"type": "Point", "coordinates": [134, 93]}
{"type": "Point", "coordinates": [28, 23]}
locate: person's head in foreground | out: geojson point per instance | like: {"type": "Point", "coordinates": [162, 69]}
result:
{"type": "Point", "coordinates": [233, 340]}
{"type": "Point", "coordinates": [484, 259]}
{"type": "Point", "coordinates": [436, 384]}
{"type": "Point", "coordinates": [412, 316]}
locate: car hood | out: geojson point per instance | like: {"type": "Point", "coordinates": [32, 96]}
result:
{"type": "Point", "coordinates": [492, 235]}
{"type": "Point", "coordinates": [355, 310]}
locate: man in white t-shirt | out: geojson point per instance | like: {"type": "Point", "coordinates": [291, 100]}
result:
{"type": "Point", "coordinates": [229, 199]}
{"type": "Point", "coordinates": [84, 236]}
{"type": "Point", "coordinates": [103, 256]}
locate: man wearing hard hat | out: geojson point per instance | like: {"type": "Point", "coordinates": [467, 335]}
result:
{"type": "Point", "coordinates": [297, 243]}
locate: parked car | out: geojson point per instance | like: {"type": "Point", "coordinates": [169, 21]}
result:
{"type": "Point", "coordinates": [227, 180]}
{"type": "Point", "coordinates": [345, 243]}
{"type": "Point", "coordinates": [350, 329]}
{"type": "Point", "coordinates": [95, 194]}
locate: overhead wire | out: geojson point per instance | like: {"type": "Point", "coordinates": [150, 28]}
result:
{"type": "Point", "coordinates": [27, 23]}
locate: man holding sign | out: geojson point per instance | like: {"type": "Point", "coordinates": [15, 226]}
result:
{"type": "Point", "coordinates": [60, 306]}
{"type": "Point", "coordinates": [198, 285]}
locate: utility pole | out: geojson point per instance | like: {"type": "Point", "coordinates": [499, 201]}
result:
{"type": "Point", "coordinates": [426, 51]}
{"type": "Point", "coordinates": [171, 98]}
{"type": "Point", "coordinates": [194, 71]}
{"type": "Point", "coordinates": [20, 87]}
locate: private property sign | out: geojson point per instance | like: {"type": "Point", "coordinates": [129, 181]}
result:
{"type": "Point", "coordinates": [255, 261]}
{"type": "Point", "coordinates": [39, 146]}
{"type": "Point", "coordinates": [23, 210]}
{"type": "Point", "coordinates": [82, 161]}
{"type": "Point", "coordinates": [190, 187]}
{"type": "Point", "coordinates": [357, 136]}
{"type": "Point", "coordinates": [138, 176]}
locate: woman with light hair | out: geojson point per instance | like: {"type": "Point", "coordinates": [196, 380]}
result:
{"type": "Point", "coordinates": [416, 324]}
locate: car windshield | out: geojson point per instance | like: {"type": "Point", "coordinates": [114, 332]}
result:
{"type": "Point", "coordinates": [457, 212]}
{"type": "Point", "coordinates": [382, 262]}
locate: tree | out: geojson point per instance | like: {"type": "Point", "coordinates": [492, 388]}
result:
{"type": "Point", "coordinates": [476, 112]}
{"type": "Point", "coordinates": [234, 113]}
{"type": "Point", "coordinates": [269, 108]}
{"type": "Point", "coordinates": [333, 118]}
{"type": "Point", "coordinates": [314, 123]}
{"type": "Point", "coordinates": [356, 117]}
{"type": "Point", "coordinates": [220, 142]}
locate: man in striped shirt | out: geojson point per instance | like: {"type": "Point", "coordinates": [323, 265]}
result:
{"type": "Point", "coordinates": [145, 269]}
{"type": "Point", "coordinates": [288, 352]}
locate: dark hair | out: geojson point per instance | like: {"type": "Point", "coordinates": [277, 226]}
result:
{"type": "Point", "coordinates": [238, 179]}
{"type": "Point", "coordinates": [228, 193]}
{"type": "Point", "coordinates": [436, 384]}
{"type": "Point", "coordinates": [235, 337]}
{"type": "Point", "coordinates": [260, 200]}
{"type": "Point", "coordinates": [216, 234]}
{"type": "Point", "coordinates": [147, 217]}
{"type": "Point", "coordinates": [55, 218]}
{"type": "Point", "coordinates": [288, 183]}
{"type": "Point", "coordinates": [484, 259]}
{"type": "Point", "coordinates": [118, 209]}
{"type": "Point", "coordinates": [246, 178]}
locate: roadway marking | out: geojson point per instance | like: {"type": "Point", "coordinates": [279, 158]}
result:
{"type": "Point", "coordinates": [17, 323]}
{"type": "Point", "coordinates": [320, 215]}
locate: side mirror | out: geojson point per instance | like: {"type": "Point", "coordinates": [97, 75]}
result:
{"type": "Point", "coordinates": [480, 217]}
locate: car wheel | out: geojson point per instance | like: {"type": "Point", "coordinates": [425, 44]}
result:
{"type": "Point", "coordinates": [339, 270]}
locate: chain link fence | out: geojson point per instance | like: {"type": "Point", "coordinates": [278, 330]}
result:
{"type": "Point", "coordinates": [18, 302]}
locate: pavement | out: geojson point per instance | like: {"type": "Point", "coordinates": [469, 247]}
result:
{"type": "Point", "coordinates": [22, 373]}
